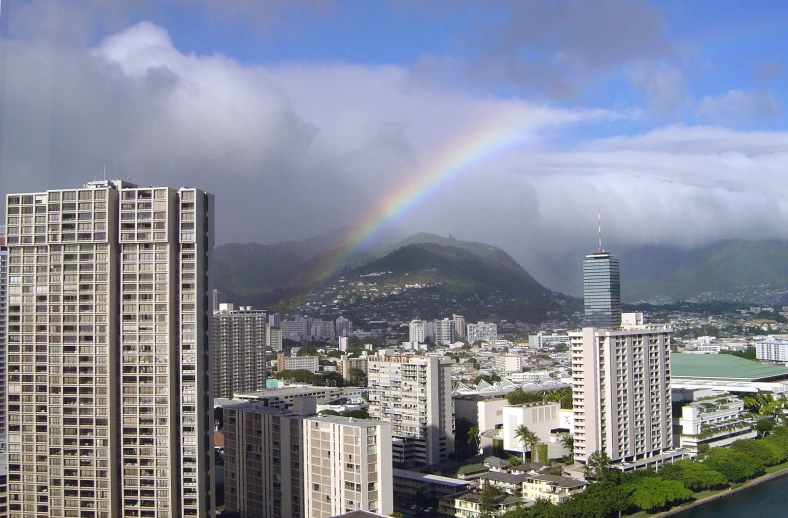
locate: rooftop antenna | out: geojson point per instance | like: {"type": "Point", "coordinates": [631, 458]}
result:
{"type": "Point", "coordinates": [599, 221]}
{"type": "Point", "coordinates": [116, 171]}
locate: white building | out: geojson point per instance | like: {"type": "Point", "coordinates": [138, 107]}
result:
{"type": "Point", "coordinates": [484, 331]}
{"type": "Point", "coordinates": [772, 349]}
{"type": "Point", "coordinates": [506, 363]}
{"type": "Point", "coordinates": [541, 340]}
{"type": "Point", "coordinates": [239, 350]}
{"type": "Point", "coordinates": [347, 466]}
{"type": "Point", "coordinates": [540, 418]}
{"type": "Point", "coordinates": [417, 332]}
{"type": "Point", "coordinates": [444, 331]}
{"type": "Point", "coordinates": [621, 390]}
{"type": "Point", "coordinates": [718, 421]}
{"type": "Point", "coordinates": [414, 394]}
{"type": "Point", "coordinates": [116, 280]}
{"type": "Point", "coordinates": [288, 397]}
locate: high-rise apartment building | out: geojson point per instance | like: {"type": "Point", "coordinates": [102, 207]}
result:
{"type": "Point", "coordinates": [414, 394]}
{"type": "Point", "coordinates": [444, 331]}
{"type": "Point", "coordinates": [484, 331]}
{"type": "Point", "coordinates": [109, 401]}
{"type": "Point", "coordinates": [621, 390]}
{"type": "Point", "coordinates": [239, 350]}
{"type": "Point", "coordinates": [298, 329]}
{"type": "Point", "coordinates": [343, 326]}
{"type": "Point", "coordinates": [3, 299]}
{"type": "Point", "coordinates": [601, 290]}
{"type": "Point", "coordinates": [279, 463]}
{"type": "Point", "coordinates": [263, 461]}
{"type": "Point", "coordinates": [347, 466]}
{"type": "Point", "coordinates": [273, 337]}
{"type": "Point", "coordinates": [459, 326]}
{"type": "Point", "coordinates": [417, 331]}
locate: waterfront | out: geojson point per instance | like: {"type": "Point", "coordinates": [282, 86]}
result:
{"type": "Point", "coordinates": [767, 499]}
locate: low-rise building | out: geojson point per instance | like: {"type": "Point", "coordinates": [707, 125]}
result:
{"type": "Point", "coordinates": [505, 363]}
{"type": "Point", "coordinates": [555, 488]}
{"type": "Point", "coordinates": [716, 421]}
{"type": "Point", "coordinates": [507, 482]}
{"type": "Point", "coordinates": [295, 363]}
{"type": "Point", "coordinates": [541, 418]}
{"type": "Point", "coordinates": [285, 397]}
{"type": "Point", "coordinates": [410, 485]}
{"type": "Point", "coordinates": [541, 340]}
{"type": "Point", "coordinates": [469, 505]}
{"type": "Point", "coordinates": [772, 349]}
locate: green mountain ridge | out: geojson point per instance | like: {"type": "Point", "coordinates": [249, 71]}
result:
{"type": "Point", "coordinates": [733, 269]}
{"type": "Point", "coordinates": [266, 275]}
{"type": "Point", "coordinates": [457, 267]}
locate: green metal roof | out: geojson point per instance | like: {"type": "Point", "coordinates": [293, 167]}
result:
{"type": "Point", "coordinates": [722, 366]}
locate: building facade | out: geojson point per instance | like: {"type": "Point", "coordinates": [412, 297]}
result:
{"type": "Point", "coordinates": [601, 290]}
{"type": "Point", "coordinates": [459, 326]}
{"type": "Point", "coordinates": [484, 331]}
{"type": "Point", "coordinates": [508, 363]}
{"type": "Point", "coordinates": [414, 394]}
{"type": "Point", "coordinates": [621, 390]}
{"type": "Point", "coordinates": [239, 350]}
{"type": "Point", "coordinates": [263, 461]}
{"type": "Point", "coordinates": [109, 378]}
{"type": "Point", "coordinates": [541, 340]}
{"type": "Point", "coordinates": [771, 349]}
{"type": "Point", "coordinates": [295, 363]}
{"type": "Point", "coordinates": [347, 466]}
{"type": "Point", "coordinates": [3, 300]}
{"type": "Point", "coordinates": [417, 331]}
{"type": "Point", "coordinates": [444, 331]}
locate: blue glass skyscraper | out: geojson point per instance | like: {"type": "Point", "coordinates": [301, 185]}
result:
{"type": "Point", "coordinates": [602, 290]}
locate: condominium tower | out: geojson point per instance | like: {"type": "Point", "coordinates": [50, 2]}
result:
{"type": "Point", "coordinates": [239, 350]}
{"type": "Point", "coordinates": [414, 394]}
{"type": "Point", "coordinates": [347, 466]}
{"type": "Point", "coordinates": [3, 450]}
{"type": "Point", "coordinates": [109, 388]}
{"type": "Point", "coordinates": [288, 463]}
{"type": "Point", "coordinates": [621, 390]}
{"type": "Point", "coordinates": [601, 290]}
{"type": "Point", "coordinates": [484, 331]}
{"type": "Point", "coordinates": [263, 461]}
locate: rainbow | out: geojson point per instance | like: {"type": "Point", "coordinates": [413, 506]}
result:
{"type": "Point", "coordinates": [456, 159]}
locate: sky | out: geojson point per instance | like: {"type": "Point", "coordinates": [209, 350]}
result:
{"type": "Point", "coordinates": [509, 123]}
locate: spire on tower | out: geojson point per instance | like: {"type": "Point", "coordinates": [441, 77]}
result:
{"type": "Point", "coordinates": [599, 220]}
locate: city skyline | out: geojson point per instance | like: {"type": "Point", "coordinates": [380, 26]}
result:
{"type": "Point", "coordinates": [634, 111]}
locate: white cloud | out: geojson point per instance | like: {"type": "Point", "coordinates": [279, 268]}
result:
{"type": "Point", "coordinates": [663, 85]}
{"type": "Point", "coordinates": [296, 149]}
{"type": "Point", "coordinates": [737, 105]}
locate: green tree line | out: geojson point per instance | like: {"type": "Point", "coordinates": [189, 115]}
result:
{"type": "Point", "coordinates": [612, 492]}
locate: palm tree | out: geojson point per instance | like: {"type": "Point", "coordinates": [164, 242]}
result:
{"type": "Point", "coordinates": [568, 442]}
{"type": "Point", "coordinates": [526, 438]}
{"type": "Point", "coordinates": [473, 437]}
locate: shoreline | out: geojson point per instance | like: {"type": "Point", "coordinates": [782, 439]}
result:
{"type": "Point", "coordinates": [722, 494]}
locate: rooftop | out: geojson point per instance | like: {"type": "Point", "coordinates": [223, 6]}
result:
{"type": "Point", "coordinates": [556, 480]}
{"type": "Point", "coordinates": [424, 477]}
{"type": "Point", "coordinates": [723, 366]}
